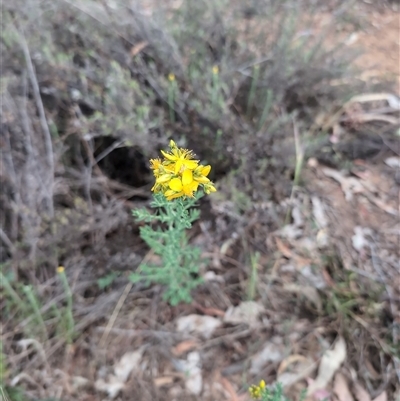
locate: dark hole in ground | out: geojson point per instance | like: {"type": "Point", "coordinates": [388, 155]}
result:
{"type": "Point", "coordinates": [126, 165]}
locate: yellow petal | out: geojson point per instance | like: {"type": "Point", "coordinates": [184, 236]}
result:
{"type": "Point", "coordinates": [175, 195]}
{"type": "Point", "coordinates": [190, 188]}
{"type": "Point", "coordinates": [178, 166]}
{"type": "Point", "coordinates": [187, 177]}
{"type": "Point", "coordinates": [168, 156]}
{"type": "Point", "coordinates": [208, 188]}
{"type": "Point", "coordinates": [201, 179]}
{"type": "Point", "coordinates": [190, 164]}
{"type": "Point", "coordinates": [163, 178]}
{"type": "Point", "coordinates": [169, 192]}
{"type": "Point", "coordinates": [176, 184]}
{"type": "Point", "coordinates": [206, 170]}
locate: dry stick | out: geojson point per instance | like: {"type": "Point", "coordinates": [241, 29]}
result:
{"type": "Point", "coordinates": [43, 121]}
{"type": "Point", "coordinates": [114, 315]}
{"type": "Point", "coordinates": [7, 241]}
{"type": "Point", "coordinates": [298, 167]}
{"type": "Point", "coordinates": [145, 332]}
{"type": "Point", "coordinates": [121, 301]}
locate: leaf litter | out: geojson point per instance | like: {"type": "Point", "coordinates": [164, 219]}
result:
{"type": "Point", "coordinates": [309, 267]}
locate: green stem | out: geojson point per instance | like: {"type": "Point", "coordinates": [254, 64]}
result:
{"type": "Point", "coordinates": [171, 100]}
{"type": "Point", "coordinates": [267, 108]}
{"type": "Point", "coordinates": [69, 314]}
{"type": "Point", "coordinates": [13, 295]}
{"type": "Point", "coordinates": [254, 81]}
{"type": "Point", "coordinates": [36, 309]}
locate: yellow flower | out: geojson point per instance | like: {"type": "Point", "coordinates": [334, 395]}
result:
{"type": "Point", "coordinates": [162, 173]}
{"type": "Point", "coordinates": [215, 70]}
{"type": "Point", "coordinates": [257, 391]}
{"type": "Point", "coordinates": [60, 269]}
{"type": "Point", "coordinates": [209, 187]}
{"type": "Point", "coordinates": [156, 166]}
{"type": "Point", "coordinates": [179, 174]}
{"type": "Point", "coordinates": [171, 77]}
{"type": "Point", "coordinates": [181, 158]}
{"type": "Point", "coordinates": [184, 186]}
{"type": "Point", "coordinates": [200, 174]}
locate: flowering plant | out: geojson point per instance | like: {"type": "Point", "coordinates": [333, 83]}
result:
{"type": "Point", "coordinates": [178, 180]}
{"type": "Point", "coordinates": [263, 393]}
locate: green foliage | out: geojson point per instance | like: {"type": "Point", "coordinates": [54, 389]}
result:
{"type": "Point", "coordinates": [179, 260]}
{"type": "Point", "coordinates": [107, 280]}
{"type": "Point", "coordinates": [3, 364]}
{"type": "Point", "coordinates": [24, 304]}
{"type": "Point", "coordinates": [263, 393]}
{"type": "Point", "coordinates": [67, 319]}
{"type": "Point", "coordinates": [13, 393]}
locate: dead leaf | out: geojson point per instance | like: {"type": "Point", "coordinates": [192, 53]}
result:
{"type": "Point", "coordinates": [341, 388]}
{"type": "Point", "coordinates": [349, 185]}
{"type": "Point", "coordinates": [314, 277]}
{"type": "Point", "coordinates": [23, 377]}
{"type": "Point", "coordinates": [270, 353]}
{"type": "Point", "coordinates": [229, 388]}
{"type": "Point", "coordinates": [307, 291]}
{"type": "Point", "coordinates": [112, 386]}
{"type": "Point", "coordinates": [128, 362]}
{"type": "Point", "coordinates": [289, 361]}
{"type": "Point", "coordinates": [366, 117]}
{"type": "Point", "coordinates": [212, 276]}
{"type": "Point", "coordinates": [319, 212]}
{"type": "Point", "coordinates": [290, 231]}
{"type": "Point", "coordinates": [184, 347]}
{"type": "Point", "coordinates": [209, 311]}
{"type": "Point", "coordinates": [138, 48]}
{"type": "Point", "coordinates": [393, 101]}
{"type": "Point", "coordinates": [393, 161]}
{"type": "Point", "coordinates": [283, 249]}
{"type": "Point", "coordinates": [382, 205]}
{"type": "Point", "coordinates": [322, 395]}
{"type": "Point", "coordinates": [122, 369]}
{"type": "Point", "coordinates": [163, 381]}
{"type": "Point", "coordinates": [322, 238]}
{"type": "Point", "coordinates": [371, 370]}
{"type": "Point", "coordinates": [246, 312]}
{"type": "Point", "coordinates": [204, 325]}
{"type": "Point", "coordinates": [287, 253]}
{"type": "Point", "coordinates": [358, 239]}
{"type": "Point", "coordinates": [79, 382]}
{"type": "Point", "coordinates": [330, 363]}
{"type": "Point", "coordinates": [297, 216]}
{"type": "Point", "coordinates": [193, 376]}
{"type": "Point", "coordinates": [360, 393]}
{"type": "Point", "coordinates": [25, 343]}
{"type": "Point", "coordinates": [381, 397]}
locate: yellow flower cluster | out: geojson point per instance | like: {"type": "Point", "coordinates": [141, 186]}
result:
{"type": "Point", "coordinates": [257, 391]}
{"type": "Point", "coordinates": [179, 174]}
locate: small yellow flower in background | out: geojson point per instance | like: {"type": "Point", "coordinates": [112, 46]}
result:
{"type": "Point", "coordinates": [215, 70]}
{"type": "Point", "coordinates": [60, 269]}
{"type": "Point", "coordinates": [171, 77]}
{"type": "Point", "coordinates": [179, 174]}
{"type": "Point", "coordinates": [256, 391]}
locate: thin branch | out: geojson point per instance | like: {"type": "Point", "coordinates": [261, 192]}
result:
{"type": "Point", "coordinates": [7, 241]}
{"type": "Point", "coordinates": [43, 121]}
